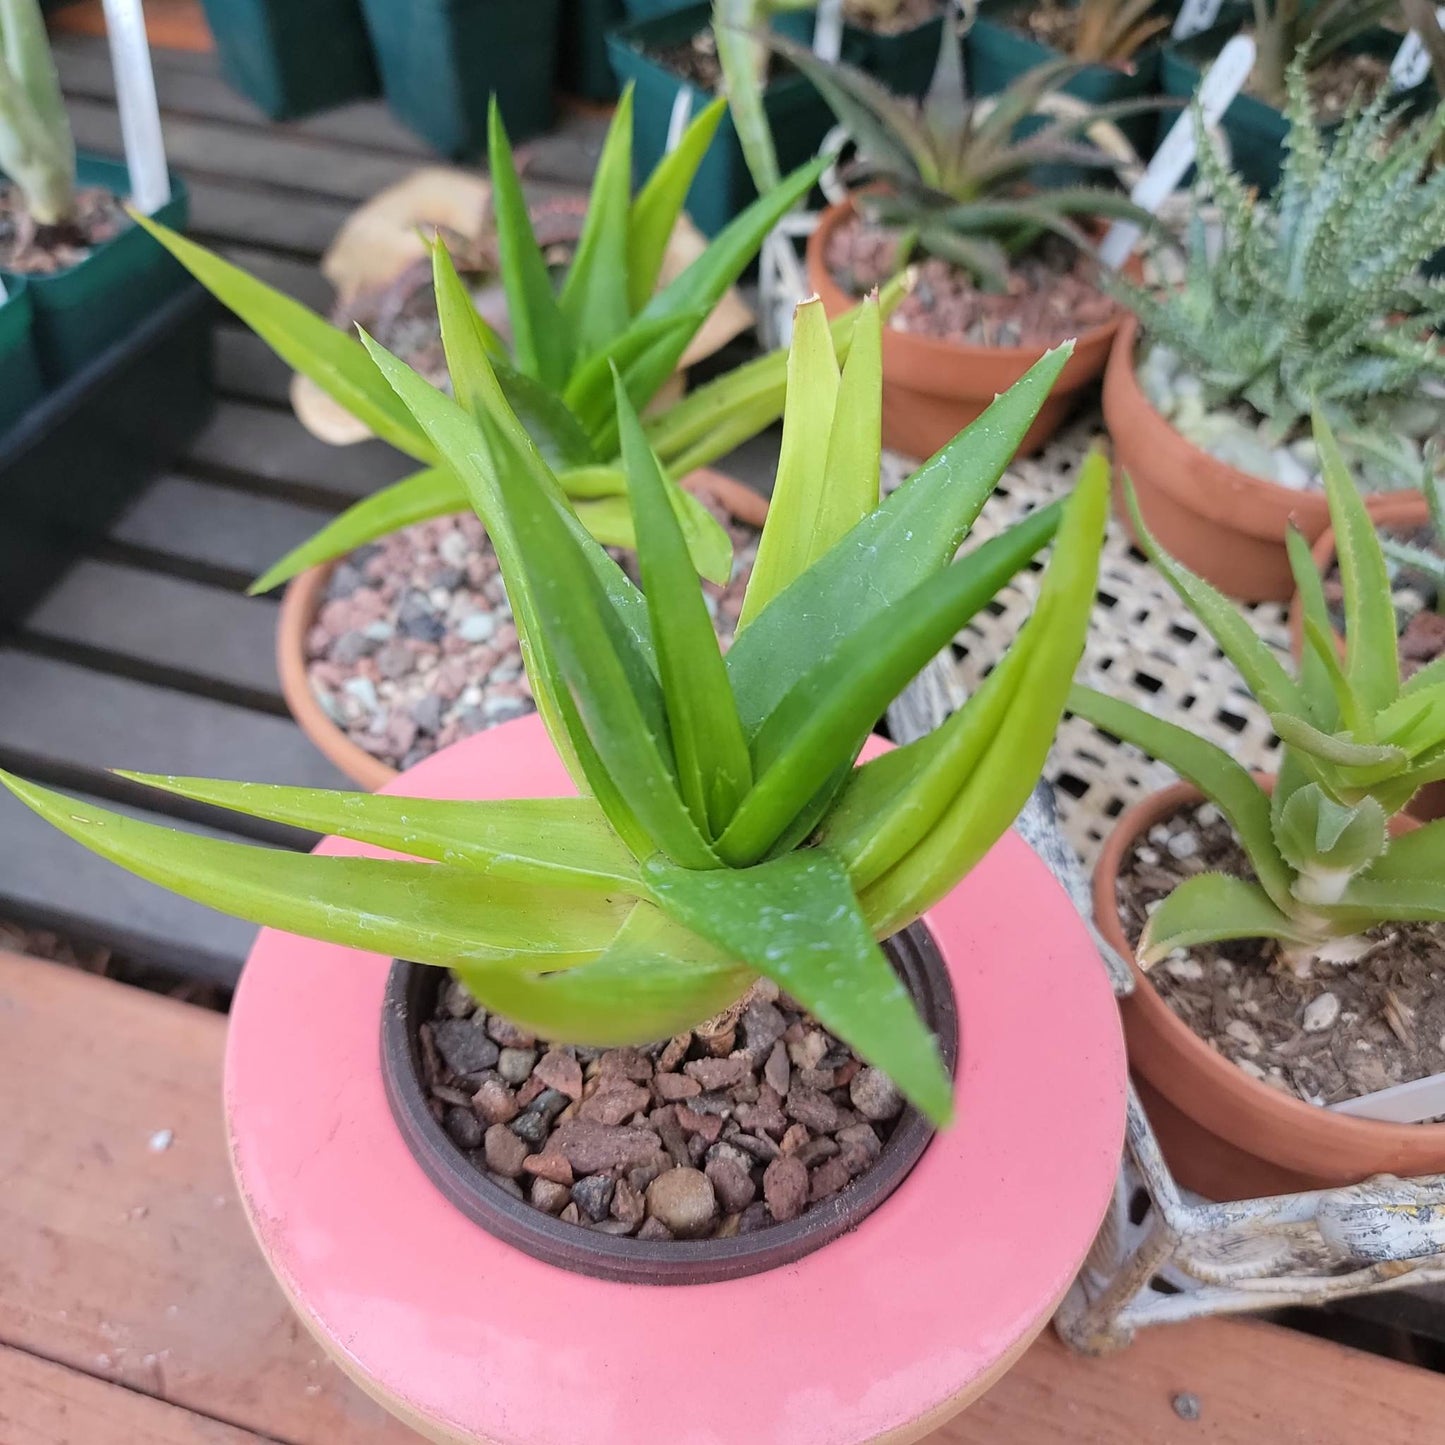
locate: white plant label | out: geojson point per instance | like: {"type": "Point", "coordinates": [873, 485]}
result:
{"type": "Point", "coordinates": [1412, 62]}
{"type": "Point", "coordinates": [1221, 83]}
{"type": "Point", "coordinates": [1402, 1104]}
{"type": "Point", "coordinates": [1194, 16]}
{"type": "Point", "coordinates": [828, 31]}
{"type": "Point", "coordinates": [140, 115]}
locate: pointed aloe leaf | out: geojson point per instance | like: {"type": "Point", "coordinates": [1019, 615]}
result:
{"type": "Point", "coordinates": [796, 920]}
{"type": "Point", "coordinates": [1211, 908]}
{"type": "Point", "coordinates": [982, 796]}
{"type": "Point", "coordinates": [567, 841]}
{"type": "Point", "coordinates": [429, 912]}
{"type": "Point", "coordinates": [713, 766]}
{"type": "Point", "coordinates": [655, 980]}
{"type": "Point", "coordinates": [1372, 659]}
{"type": "Point", "coordinates": [589, 389]}
{"type": "Point", "coordinates": [824, 719]}
{"type": "Point", "coordinates": [914, 533]}
{"type": "Point", "coordinates": [1367, 902]}
{"type": "Point", "coordinates": [542, 338]}
{"type": "Point", "coordinates": [1226, 783]}
{"type": "Point", "coordinates": [1319, 641]}
{"type": "Point", "coordinates": [560, 436]}
{"type": "Point", "coordinates": [436, 492]}
{"type": "Point", "coordinates": [1261, 670]}
{"type": "Point", "coordinates": [1331, 748]}
{"type": "Point", "coordinates": [1314, 678]}
{"type": "Point", "coordinates": [855, 448]}
{"type": "Point", "coordinates": [1416, 856]}
{"type": "Point", "coordinates": [1431, 675]}
{"type": "Point", "coordinates": [594, 295]}
{"type": "Point", "coordinates": [306, 342]}
{"type": "Point", "coordinates": [660, 201]}
{"type": "Point", "coordinates": [744, 68]}
{"type": "Point", "coordinates": [801, 509]}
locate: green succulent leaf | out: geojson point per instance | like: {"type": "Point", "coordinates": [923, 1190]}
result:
{"type": "Point", "coordinates": [1417, 856]}
{"type": "Point", "coordinates": [1211, 908]}
{"type": "Point", "coordinates": [430, 912]}
{"type": "Point", "coordinates": [1331, 748]}
{"type": "Point", "coordinates": [1314, 677]}
{"type": "Point", "coordinates": [1328, 842]}
{"type": "Point", "coordinates": [1368, 901]}
{"type": "Point", "coordinates": [797, 921]}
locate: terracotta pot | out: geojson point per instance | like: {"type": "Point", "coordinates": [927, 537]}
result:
{"type": "Point", "coordinates": [307, 591]}
{"type": "Point", "coordinates": [932, 388]}
{"type": "Point", "coordinates": [471, 1340]}
{"type": "Point", "coordinates": [1223, 523]}
{"type": "Point", "coordinates": [1225, 1135]}
{"type": "Point", "coordinates": [1398, 509]}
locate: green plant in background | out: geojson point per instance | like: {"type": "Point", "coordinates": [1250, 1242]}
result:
{"type": "Point", "coordinates": [1109, 32]}
{"type": "Point", "coordinates": [1310, 297]}
{"type": "Point", "coordinates": [37, 152]}
{"type": "Point", "coordinates": [557, 373]}
{"type": "Point", "coordinates": [1420, 16]}
{"type": "Point", "coordinates": [722, 830]}
{"type": "Point", "coordinates": [953, 171]}
{"type": "Point", "coordinates": [1285, 30]}
{"type": "Point", "coordinates": [1422, 559]}
{"type": "Point", "coordinates": [1358, 744]}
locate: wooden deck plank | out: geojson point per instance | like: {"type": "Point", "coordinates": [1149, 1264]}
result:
{"type": "Point", "coordinates": [250, 214]}
{"type": "Point", "coordinates": [119, 1252]}
{"type": "Point", "coordinates": [164, 629]}
{"type": "Point", "coordinates": [46, 1404]}
{"type": "Point", "coordinates": [246, 368]}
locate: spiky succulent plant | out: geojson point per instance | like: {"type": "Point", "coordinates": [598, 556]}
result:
{"type": "Point", "coordinates": [955, 172]}
{"type": "Point", "coordinates": [36, 149]}
{"type": "Point", "coordinates": [557, 372]}
{"type": "Point", "coordinates": [1286, 31]}
{"type": "Point", "coordinates": [723, 830]}
{"type": "Point", "coordinates": [1427, 560]}
{"type": "Point", "coordinates": [1313, 297]}
{"type": "Point", "coordinates": [1110, 31]}
{"type": "Point", "coordinates": [1358, 744]}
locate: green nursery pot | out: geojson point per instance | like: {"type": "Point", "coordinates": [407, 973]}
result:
{"type": "Point", "coordinates": [20, 384]}
{"type": "Point", "coordinates": [293, 57]}
{"type": "Point", "coordinates": [582, 65]}
{"type": "Point", "coordinates": [102, 299]}
{"type": "Point", "coordinates": [722, 186]}
{"type": "Point", "coordinates": [442, 60]}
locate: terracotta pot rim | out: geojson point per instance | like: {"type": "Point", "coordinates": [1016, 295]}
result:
{"type": "Point", "coordinates": [834, 296]}
{"type": "Point", "coordinates": [623, 1259]}
{"type": "Point", "coordinates": [1230, 1081]}
{"type": "Point", "coordinates": [302, 600]}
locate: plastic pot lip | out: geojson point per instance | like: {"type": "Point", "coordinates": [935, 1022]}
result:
{"type": "Point", "coordinates": [622, 1259]}
{"type": "Point", "coordinates": [1232, 1094]}
{"type": "Point", "coordinates": [302, 601]}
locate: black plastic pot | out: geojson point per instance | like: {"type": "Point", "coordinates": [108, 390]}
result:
{"type": "Point", "coordinates": [411, 993]}
{"type": "Point", "coordinates": [442, 60]}
{"type": "Point", "coordinates": [722, 187]}
{"type": "Point", "coordinates": [20, 384]}
{"type": "Point", "coordinates": [82, 311]}
{"type": "Point", "coordinates": [293, 57]}
{"type": "Point", "coordinates": [582, 65]}
{"type": "Point", "coordinates": [79, 454]}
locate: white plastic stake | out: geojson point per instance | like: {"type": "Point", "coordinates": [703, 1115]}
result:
{"type": "Point", "coordinates": [1412, 62]}
{"type": "Point", "coordinates": [828, 31]}
{"type": "Point", "coordinates": [1221, 83]}
{"type": "Point", "coordinates": [1194, 16]}
{"type": "Point", "coordinates": [140, 115]}
{"type": "Point", "coordinates": [1402, 1104]}
{"type": "Point", "coordinates": [678, 118]}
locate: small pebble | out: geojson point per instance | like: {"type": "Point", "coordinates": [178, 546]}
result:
{"type": "Point", "coordinates": [684, 1201]}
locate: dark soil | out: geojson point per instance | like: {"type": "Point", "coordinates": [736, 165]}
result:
{"type": "Point", "coordinates": [1417, 602]}
{"type": "Point", "coordinates": [695, 59]}
{"type": "Point", "coordinates": [749, 1122]}
{"type": "Point", "coordinates": [1051, 294]}
{"type": "Point", "coordinates": [1335, 81]}
{"type": "Point", "coordinates": [909, 15]}
{"type": "Point", "coordinates": [45, 250]}
{"type": "Point", "coordinates": [414, 647]}
{"type": "Point", "coordinates": [1346, 1030]}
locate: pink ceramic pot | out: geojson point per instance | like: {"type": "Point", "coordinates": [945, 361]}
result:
{"type": "Point", "coordinates": [880, 1335]}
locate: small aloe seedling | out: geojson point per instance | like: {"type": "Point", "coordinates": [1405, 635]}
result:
{"type": "Point", "coordinates": [557, 373]}
{"type": "Point", "coordinates": [36, 149]}
{"type": "Point", "coordinates": [1357, 742]}
{"type": "Point", "coordinates": [1112, 31]}
{"type": "Point", "coordinates": [1424, 559]}
{"type": "Point", "coordinates": [723, 830]}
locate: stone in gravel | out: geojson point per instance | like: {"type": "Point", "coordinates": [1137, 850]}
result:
{"type": "Point", "coordinates": [627, 1063]}
{"type": "Point", "coordinates": [571, 1215]}
{"type": "Point", "coordinates": [762, 1026]}
{"type": "Point", "coordinates": [725, 1149]}
{"type": "Point", "coordinates": [549, 1165]}
{"type": "Point", "coordinates": [643, 1174]}
{"type": "Point", "coordinates": [1321, 1013]}
{"type": "Point", "coordinates": [827, 1179]}
{"type": "Point", "coordinates": [785, 1187]}
{"type": "Point", "coordinates": [810, 1107]}
{"type": "Point", "coordinates": [794, 1137]}
{"type": "Point", "coordinates": [717, 1073]}
{"type": "Point", "coordinates": [821, 1079]}
{"type": "Point", "coordinates": [673, 1053]}
{"type": "Point", "coordinates": [590, 1146]}
{"type": "Point", "coordinates": [707, 1126]}
{"type": "Point", "coordinates": [684, 1201]}
{"type": "Point", "coordinates": [664, 1120]}
{"type": "Point", "coordinates": [457, 1002]}
{"type": "Point", "coordinates": [654, 1229]}
{"type": "Point", "coordinates": [732, 1184]}
{"type": "Point", "coordinates": [530, 1092]}
{"type": "Point", "coordinates": [875, 1095]}
{"type": "Point", "coordinates": [426, 713]}
{"type": "Point", "coordinates": [729, 1227]}
{"type": "Point", "coordinates": [778, 1071]}
{"type": "Point", "coordinates": [755, 1217]}
{"type": "Point", "coordinates": [615, 1102]}
{"type": "Point", "coordinates": [507, 1034]}
{"type": "Point", "coordinates": [815, 1151]}
{"type": "Point", "coordinates": [550, 1104]}
{"type": "Point", "coordinates": [717, 1102]}
{"type": "Point", "coordinates": [506, 1185]}
{"type": "Point", "coordinates": [464, 1128]}
{"type": "Point", "coordinates": [628, 1203]}
{"type": "Point", "coordinates": [862, 1137]}
{"type": "Point", "coordinates": [494, 1102]}
{"type": "Point", "coordinates": [476, 627]}
{"type": "Point", "coordinates": [464, 1048]}
{"type": "Point", "coordinates": [531, 1126]}
{"type": "Point", "coordinates": [613, 1226]}
{"type": "Point", "coordinates": [593, 1195]}
{"type": "Point", "coordinates": [394, 660]}
{"type": "Point", "coordinates": [672, 1087]}
{"type": "Point", "coordinates": [766, 1116]}
{"type": "Point", "coordinates": [515, 1064]}
{"type": "Point", "coordinates": [550, 1196]}
{"type": "Point", "coordinates": [809, 1051]}
{"type": "Point", "coordinates": [350, 648]}
{"type": "Point", "coordinates": [505, 1151]}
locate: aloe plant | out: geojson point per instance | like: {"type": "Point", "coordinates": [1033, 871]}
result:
{"type": "Point", "coordinates": [1358, 743]}
{"type": "Point", "coordinates": [1285, 29]}
{"type": "Point", "coordinates": [1109, 32]}
{"type": "Point", "coordinates": [723, 830]}
{"type": "Point", "coordinates": [1423, 559]}
{"type": "Point", "coordinates": [954, 171]}
{"type": "Point", "coordinates": [557, 374]}
{"type": "Point", "coordinates": [37, 152]}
